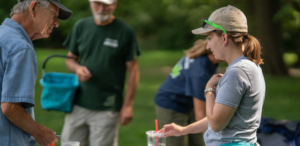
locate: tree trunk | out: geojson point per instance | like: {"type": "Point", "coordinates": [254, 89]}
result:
{"type": "Point", "coordinates": [297, 64]}
{"type": "Point", "coordinates": [296, 5]}
{"type": "Point", "coordinates": [269, 34]}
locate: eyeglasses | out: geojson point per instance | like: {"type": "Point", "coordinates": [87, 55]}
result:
{"type": "Point", "coordinates": [56, 13]}
{"type": "Point", "coordinates": [205, 21]}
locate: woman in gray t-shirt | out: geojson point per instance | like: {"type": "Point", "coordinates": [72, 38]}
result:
{"type": "Point", "coordinates": [234, 100]}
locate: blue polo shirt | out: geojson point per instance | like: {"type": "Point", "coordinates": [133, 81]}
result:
{"type": "Point", "coordinates": [186, 81]}
{"type": "Point", "coordinates": [18, 73]}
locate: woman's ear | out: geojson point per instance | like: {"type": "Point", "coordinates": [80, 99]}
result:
{"type": "Point", "coordinates": [225, 39]}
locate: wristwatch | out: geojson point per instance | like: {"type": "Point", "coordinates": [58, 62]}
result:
{"type": "Point", "coordinates": [209, 90]}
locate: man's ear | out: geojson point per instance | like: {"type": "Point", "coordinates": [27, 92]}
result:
{"type": "Point", "coordinates": [116, 3]}
{"type": "Point", "coordinates": [32, 8]}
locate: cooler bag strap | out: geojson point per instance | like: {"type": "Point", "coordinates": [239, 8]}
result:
{"type": "Point", "coordinates": [51, 56]}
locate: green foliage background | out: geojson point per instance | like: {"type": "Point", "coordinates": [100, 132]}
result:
{"type": "Point", "coordinates": [158, 23]}
{"type": "Point", "coordinates": [165, 24]}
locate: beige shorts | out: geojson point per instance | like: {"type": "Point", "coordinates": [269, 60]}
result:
{"type": "Point", "coordinates": [94, 128]}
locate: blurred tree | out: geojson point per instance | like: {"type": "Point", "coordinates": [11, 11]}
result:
{"type": "Point", "coordinates": [289, 16]}
{"type": "Point", "coordinates": [163, 24]}
{"type": "Point", "coordinates": [6, 6]}
{"type": "Point", "coordinates": [296, 6]}
{"type": "Point", "coordinates": [269, 33]}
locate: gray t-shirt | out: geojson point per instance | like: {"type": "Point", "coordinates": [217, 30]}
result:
{"type": "Point", "coordinates": [241, 87]}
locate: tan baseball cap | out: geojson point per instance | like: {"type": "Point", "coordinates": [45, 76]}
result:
{"type": "Point", "coordinates": [230, 18]}
{"type": "Point", "coordinates": [108, 2]}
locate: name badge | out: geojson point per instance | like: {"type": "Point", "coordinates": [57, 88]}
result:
{"type": "Point", "coordinates": [111, 43]}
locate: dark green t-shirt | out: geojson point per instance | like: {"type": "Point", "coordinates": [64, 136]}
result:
{"type": "Point", "coordinates": [104, 50]}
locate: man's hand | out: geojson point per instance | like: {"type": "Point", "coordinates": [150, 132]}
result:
{"type": "Point", "coordinates": [172, 130]}
{"type": "Point", "coordinates": [214, 80]}
{"type": "Point", "coordinates": [126, 115]}
{"type": "Point", "coordinates": [126, 112]}
{"type": "Point", "coordinates": [16, 114]}
{"type": "Point", "coordinates": [44, 136]}
{"type": "Point", "coordinates": [83, 74]}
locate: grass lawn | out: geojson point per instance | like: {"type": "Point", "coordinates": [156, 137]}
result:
{"type": "Point", "coordinates": [281, 97]}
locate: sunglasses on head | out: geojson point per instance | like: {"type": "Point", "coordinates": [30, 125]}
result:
{"type": "Point", "coordinates": [205, 21]}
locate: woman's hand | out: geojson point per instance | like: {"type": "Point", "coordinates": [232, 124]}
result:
{"type": "Point", "coordinates": [172, 130]}
{"type": "Point", "coordinates": [214, 80]}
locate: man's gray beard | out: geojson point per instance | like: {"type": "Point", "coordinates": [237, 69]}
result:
{"type": "Point", "coordinates": [101, 18]}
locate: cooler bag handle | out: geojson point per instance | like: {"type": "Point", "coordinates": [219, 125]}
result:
{"type": "Point", "coordinates": [51, 56]}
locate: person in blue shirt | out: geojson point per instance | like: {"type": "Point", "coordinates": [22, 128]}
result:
{"type": "Point", "coordinates": [180, 99]}
{"type": "Point", "coordinates": [30, 20]}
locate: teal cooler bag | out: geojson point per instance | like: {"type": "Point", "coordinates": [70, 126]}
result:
{"type": "Point", "coordinates": [238, 144]}
{"type": "Point", "coordinates": [58, 89]}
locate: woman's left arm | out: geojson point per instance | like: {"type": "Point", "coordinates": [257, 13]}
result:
{"type": "Point", "coordinates": [218, 115]}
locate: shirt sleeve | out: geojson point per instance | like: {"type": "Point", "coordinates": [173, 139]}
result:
{"type": "Point", "coordinates": [133, 50]}
{"type": "Point", "coordinates": [19, 78]}
{"type": "Point", "coordinates": [71, 41]}
{"type": "Point", "coordinates": [232, 87]}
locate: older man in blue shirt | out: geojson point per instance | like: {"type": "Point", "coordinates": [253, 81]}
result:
{"type": "Point", "coordinates": [30, 20]}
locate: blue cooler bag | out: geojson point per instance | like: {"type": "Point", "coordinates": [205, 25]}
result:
{"type": "Point", "coordinates": [59, 89]}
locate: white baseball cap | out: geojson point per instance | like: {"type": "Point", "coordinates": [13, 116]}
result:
{"type": "Point", "coordinates": [108, 2]}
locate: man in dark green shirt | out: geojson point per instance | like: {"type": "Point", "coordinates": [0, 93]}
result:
{"type": "Point", "coordinates": [106, 47]}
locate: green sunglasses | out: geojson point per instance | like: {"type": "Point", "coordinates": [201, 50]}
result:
{"type": "Point", "coordinates": [213, 25]}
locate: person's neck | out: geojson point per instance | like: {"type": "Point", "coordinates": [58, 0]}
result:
{"type": "Point", "coordinates": [26, 23]}
{"type": "Point", "coordinates": [110, 20]}
{"type": "Point", "coordinates": [212, 58]}
{"type": "Point", "coordinates": [233, 53]}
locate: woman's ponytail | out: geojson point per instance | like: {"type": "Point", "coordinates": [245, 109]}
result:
{"type": "Point", "coordinates": [253, 49]}
{"type": "Point", "coordinates": [252, 46]}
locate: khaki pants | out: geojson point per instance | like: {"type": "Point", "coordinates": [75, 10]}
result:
{"type": "Point", "coordinates": [94, 128]}
{"type": "Point", "coordinates": [166, 116]}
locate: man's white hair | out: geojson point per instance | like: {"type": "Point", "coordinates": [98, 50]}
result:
{"type": "Point", "coordinates": [23, 6]}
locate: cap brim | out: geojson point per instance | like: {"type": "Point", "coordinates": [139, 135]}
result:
{"type": "Point", "coordinates": [108, 2]}
{"type": "Point", "coordinates": [64, 13]}
{"type": "Point", "coordinates": [202, 31]}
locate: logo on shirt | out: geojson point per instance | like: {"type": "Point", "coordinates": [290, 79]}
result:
{"type": "Point", "coordinates": [110, 101]}
{"type": "Point", "coordinates": [178, 67]}
{"type": "Point", "coordinates": [176, 70]}
{"type": "Point", "coordinates": [187, 62]}
{"type": "Point", "coordinates": [111, 43]}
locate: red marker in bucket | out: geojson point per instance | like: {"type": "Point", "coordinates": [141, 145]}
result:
{"type": "Point", "coordinates": [156, 129]}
